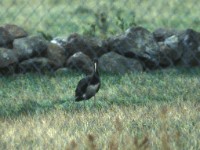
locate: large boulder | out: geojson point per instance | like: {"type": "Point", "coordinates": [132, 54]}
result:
{"type": "Point", "coordinates": [91, 46]}
{"type": "Point", "coordinates": [7, 57]}
{"type": "Point", "coordinates": [138, 43]}
{"type": "Point", "coordinates": [6, 38]}
{"type": "Point", "coordinates": [29, 47]}
{"type": "Point", "coordinates": [190, 43]}
{"type": "Point", "coordinates": [15, 31]}
{"type": "Point", "coordinates": [80, 62]}
{"type": "Point", "coordinates": [62, 71]}
{"type": "Point", "coordinates": [60, 41]}
{"type": "Point", "coordinates": [170, 51]}
{"type": "Point", "coordinates": [161, 34]}
{"type": "Point", "coordinates": [114, 63]}
{"type": "Point", "coordinates": [37, 64]}
{"type": "Point", "coordinates": [56, 54]}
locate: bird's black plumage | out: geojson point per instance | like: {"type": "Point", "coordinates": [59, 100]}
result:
{"type": "Point", "coordinates": [88, 86]}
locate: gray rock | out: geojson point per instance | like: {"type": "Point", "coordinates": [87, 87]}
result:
{"type": "Point", "coordinates": [56, 54]}
{"type": "Point", "coordinates": [29, 47]}
{"type": "Point", "coordinates": [161, 34]}
{"type": "Point", "coordinates": [190, 43]}
{"type": "Point", "coordinates": [7, 57]}
{"type": "Point", "coordinates": [15, 31]}
{"type": "Point", "coordinates": [138, 43]}
{"type": "Point", "coordinates": [6, 38]}
{"type": "Point", "coordinates": [172, 41]}
{"type": "Point", "coordinates": [38, 64]}
{"type": "Point", "coordinates": [170, 51]}
{"type": "Point", "coordinates": [9, 70]}
{"type": "Point", "coordinates": [81, 62]}
{"type": "Point", "coordinates": [91, 46]}
{"type": "Point", "coordinates": [114, 63]}
{"type": "Point", "coordinates": [60, 41]}
{"type": "Point", "coordinates": [62, 71]}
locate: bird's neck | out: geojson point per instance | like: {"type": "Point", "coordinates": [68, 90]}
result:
{"type": "Point", "coordinates": [95, 78]}
{"type": "Point", "coordinates": [95, 73]}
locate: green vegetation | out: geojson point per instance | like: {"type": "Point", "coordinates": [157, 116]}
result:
{"type": "Point", "coordinates": [144, 110]}
{"type": "Point", "coordinates": [149, 110]}
{"type": "Point", "coordinates": [99, 17]}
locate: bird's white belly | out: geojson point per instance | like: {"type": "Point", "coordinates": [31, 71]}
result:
{"type": "Point", "coordinates": [91, 90]}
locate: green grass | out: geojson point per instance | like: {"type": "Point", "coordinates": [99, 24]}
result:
{"type": "Point", "coordinates": [144, 110]}
{"type": "Point", "coordinates": [159, 109]}
{"type": "Point", "coordinates": [31, 92]}
{"type": "Point", "coordinates": [64, 17]}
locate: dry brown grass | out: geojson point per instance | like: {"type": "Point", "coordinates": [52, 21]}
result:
{"type": "Point", "coordinates": [152, 126]}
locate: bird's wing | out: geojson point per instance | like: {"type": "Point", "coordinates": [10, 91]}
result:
{"type": "Point", "coordinates": [82, 86]}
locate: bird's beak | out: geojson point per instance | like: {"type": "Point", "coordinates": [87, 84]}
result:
{"type": "Point", "coordinates": [95, 67]}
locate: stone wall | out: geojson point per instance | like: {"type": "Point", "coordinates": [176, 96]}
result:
{"type": "Point", "coordinates": [136, 49]}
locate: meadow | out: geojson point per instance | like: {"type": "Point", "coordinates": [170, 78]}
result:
{"type": "Point", "coordinates": [152, 110]}
{"type": "Point", "coordinates": [141, 110]}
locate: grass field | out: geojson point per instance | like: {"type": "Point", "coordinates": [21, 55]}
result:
{"type": "Point", "coordinates": [149, 110]}
{"type": "Point", "coordinates": [65, 16]}
{"type": "Point", "coordinates": [157, 110]}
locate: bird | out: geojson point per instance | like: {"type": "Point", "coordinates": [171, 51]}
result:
{"type": "Point", "coordinates": [89, 85]}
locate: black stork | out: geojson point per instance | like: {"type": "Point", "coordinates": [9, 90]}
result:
{"type": "Point", "coordinates": [88, 86]}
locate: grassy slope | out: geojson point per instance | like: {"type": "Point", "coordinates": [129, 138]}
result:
{"type": "Point", "coordinates": [161, 107]}
{"type": "Point", "coordinates": [65, 16]}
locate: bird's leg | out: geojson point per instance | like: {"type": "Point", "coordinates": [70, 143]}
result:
{"type": "Point", "coordinates": [94, 101]}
